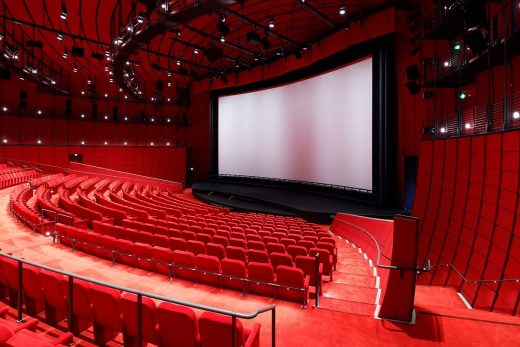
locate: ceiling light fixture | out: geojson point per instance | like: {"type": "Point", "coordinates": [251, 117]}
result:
{"type": "Point", "coordinates": [59, 36]}
{"type": "Point", "coordinates": [342, 10]}
{"type": "Point", "coordinates": [271, 23]}
{"type": "Point", "coordinates": [63, 14]}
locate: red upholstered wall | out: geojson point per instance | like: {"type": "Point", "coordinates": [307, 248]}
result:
{"type": "Point", "coordinates": [467, 199]}
{"type": "Point", "coordinates": [162, 162]}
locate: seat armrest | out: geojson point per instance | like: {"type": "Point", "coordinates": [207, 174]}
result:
{"type": "Point", "coordinates": [306, 282]}
{"type": "Point", "coordinates": [253, 340]}
{"type": "Point", "coordinates": [29, 325]}
{"type": "Point", "coordinates": [3, 312]}
{"type": "Point", "coordinates": [64, 339]}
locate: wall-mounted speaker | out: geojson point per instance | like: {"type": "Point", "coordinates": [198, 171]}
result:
{"type": "Point", "coordinates": [23, 99]}
{"type": "Point", "coordinates": [412, 72]}
{"type": "Point", "coordinates": [94, 111]}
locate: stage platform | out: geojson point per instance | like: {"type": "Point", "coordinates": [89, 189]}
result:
{"type": "Point", "coordinates": [315, 207]}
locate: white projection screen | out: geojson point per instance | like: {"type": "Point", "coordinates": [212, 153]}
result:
{"type": "Point", "coordinates": [314, 130]}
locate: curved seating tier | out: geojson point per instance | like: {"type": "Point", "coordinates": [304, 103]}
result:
{"type": "Point", "coordinates": [108, 311]}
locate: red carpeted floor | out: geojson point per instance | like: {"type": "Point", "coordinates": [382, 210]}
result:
{"type": "Point", "coordinates": [345, 318]}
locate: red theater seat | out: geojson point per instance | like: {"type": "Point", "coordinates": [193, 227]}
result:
{"type": "Point", "coordinates": [54, 288]}
{"type": "Point", "coordinates": [238, 253]}
{"type": "Point", "coordinates": [216, 331]}
{"type": "Point", "coordinates": [278, 259]}
{"type": "Point", "coordinates": [235, 268]}
{"type": "Point", "coordinates": [258, 245]}
{"type": "Point", "coordinates": [107, 315]}
{"type": "Point", "coordinates": [204, 238]}
{"type": "Point", "coordinates": [83, 315]}
{"type": "Point", "coordinates": [237, 243]}
{"type": "Point", "coordinates": [325, 258]}
{"type": "Point", "coordinates": [292, 277]}
{"type": "Point", "coordinates": [196, 247]}
{"type": "Point", "coordinates": [211, 264]}
{"type": "Point", "coordinates": [161, 241]}
{"type": "Point", "coordinates": [275, 247]}
{"type": "Point", "coordinates": [295, 251]}
{"type": "Point", "coordinates": [177, 244]}
{"type": "Point", "coordinates": [254, 255]}
{"type": "Point", "coordinates": [221, 240]}
{"type": "Point", "coordinates": [186, 260]}
{"type": "Point", "coordinates": [144, 256]}
{"type": "Point", "coordinates": [162, 256]}
{"type": "Point", "coordinates": [177, 325]}
{"type": "Point", "coordinates": [308, 266]}
{"type": "Point", "coordinates": [261, 272]}
{"type": "Point", "coordinates": [32, 290]}
{"type": "Point", "coordinates": [149, 330]}
{"type": "Point", "coordinates": [217, 250]}
{"type": "Point", "coordinates": [287, 242]}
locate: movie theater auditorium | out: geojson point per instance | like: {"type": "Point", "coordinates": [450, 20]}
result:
{"type": "Point", "coordinates": [207, 173]}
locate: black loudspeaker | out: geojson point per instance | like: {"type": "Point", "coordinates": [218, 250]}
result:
{"type": "Point", "coordinates": [475, 41]}
{"type": "Point", "coordinates": [213, 53]}
{"type": "Point", "coordinates": [68, 107]}
{"type": "Point", "coordinates": [182, 95]}
{"type": "Point", "coordinates": [253, 38]}
{"type": "Point", "coordinates": [94, 111]}
{"type": "Point", "coordinates": [410, 180]}
{"type": "Point", "coordinates": [115, 113]}
{"type": "Point", "coordinates": [159, 85]}
{"type": "Point", "coordinates": [5, 74]}
{"type": "Point", "coordinates": [412, 72]}
{"type": "Point", "coordinates": [23, 99]}
{"type": "Point", "coordinates": [77, 51]}
{"type": "Point", "coordinates": [413, 87]}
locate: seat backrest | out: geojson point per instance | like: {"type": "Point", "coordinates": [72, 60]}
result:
{"type": "Point", "coordinates": [254, 255]}
{"type": "Point", "coordinates": [81, 299]}
{"type": "Point", "coordinates": [278, 259]}
{"type": "Point", "coordinates": [177, 244]}
{"type": "Point", "coordinates": [31, 282]}
{"type": "Point", "coordinates": [221, 240]}
{"type": "Point", "coordinates": [196, 247]}
{"type": "Point", "coordinates": [128, 304]}
{"type": "Point", "coordinates": [238, 253]}
{"type": "Point", "coordinates": [233, 267]}
{"type": "Point", "coordinates": [324, 254]}
{"type": "Point", "coordinates": [204, 238]}
{"type": "Point", "coordinates": [177, 325]}
{"type": "Point", "coordinates": [215, 331]}
{"type": "Point", "coordinates": [290, 276]}
{"type": "Point", "coordinates": [295, 251]}
{"type": "Point", "coordinates": [275, 247]}
{"type": "Point", "coordinates": [54, 287]}
{"type": "Point", "coordinates": [260, 272]}
{"type": "Point", "coordinates": [184, 258]}
{"type": "Point", "coordinates": [215, 249]}
{"type": "Point", "coordinates": [208, 263]}
{"type": "Point", "coordinates": [105, 305]}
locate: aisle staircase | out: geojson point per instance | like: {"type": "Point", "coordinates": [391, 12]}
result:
{"type": "Point", "coordinates": [354, 288]}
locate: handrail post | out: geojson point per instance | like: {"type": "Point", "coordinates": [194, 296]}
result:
{"type": "Point", "coordinates": [273, 328]}
{"type": "Point", "coordinates": [233, 326]}
{"type": "Point", "coordinates": [20, 291]}
{"type": "Point", "coordinates": [71, 304]}
{"type": "Point", "coordinates": [139, 319]}
{"type": "Point", "coordinates": [317, 274]}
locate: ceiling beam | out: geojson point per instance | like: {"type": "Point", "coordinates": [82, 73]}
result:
{"type": "Point", "coordinates": [318, 13]}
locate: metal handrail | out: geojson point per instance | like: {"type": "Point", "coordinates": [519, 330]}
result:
{"type": "Point", "coordinates": [57, 236]}
{"type": "Point", "coordinates": [476, 281]}
{"type": "Point", "coordinates": [378, 261]}
{"type": "Point", "coordinates": [139, 293]}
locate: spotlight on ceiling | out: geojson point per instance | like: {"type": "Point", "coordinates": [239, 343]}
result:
{"type": "Point", "coordinates": [222, 39]}
{"type": "Point", "coordinates": [59, 36]}
{"type": "Point", "coordinates": [342, 10]}
{"type": "Point", "coordinates": [63, 14]}
{"type": "Point", "coordinates": [516, 115]}
{"type": "Point", "coordinates": [195, 50]}
{"type": "Point", "coordinates": [271, 23]}
{"type": "Point", "coordinates": [223, 18]}
{"type": "Point", "coordinates": [75, 68]}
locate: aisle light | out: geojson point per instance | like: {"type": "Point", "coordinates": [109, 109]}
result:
{"type": "Point", "coordinates": [516, 115]}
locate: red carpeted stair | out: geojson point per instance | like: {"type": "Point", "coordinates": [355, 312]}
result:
{"type": "Point", "coordinates": [353, 289]}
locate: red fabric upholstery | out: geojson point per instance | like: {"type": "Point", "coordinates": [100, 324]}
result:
{"type": "Point", "coordinates": [278, 259]}
{"type": "Point", "coordinates": [196, 247]}
{"type": "Point", "coordinates": [259, 245]}
{"type": "Point", "coordinates": [54, 287]}
{"type": "Point", "coordinates": [177, 244]}
{"type": "Point", "coordinates": [254, 255]}
{"type": "Point", "coordinates": [295, 251]}
{"type": "Point", "coordinates": [221, 240]}
{"type": "Point", "coordinates": [185, 259]}
{"type": "Point", "coordinates": [216, 250]}
{"type": "Point", "coordinates": [149, 330]}
{"type": "Point", "coordinates": [177, 325]}
{"type": "Point", "coordinates": [211, 264]}
{"type": "Point", "coordinates": [143, 253]}
{"type": "Point", "coordinates": [235, 268]}
{"type": "Point", "coordinates": [83, 316]}
{"type": "Point", "coordinates": [308, 265]}
{"type": "Point", "coordinates": [261, 272]}
{"type": "Point", "coordinates": [107, 315]}
{"type": "Point", "coordinates": [275, 247]}
{"type": "Point", "coordinates": [325, 258]}
{"type": "Point", "coordinates": [292, 277]}
{"type": "Point", "coordinates": [215, 331]}
{"type": "Point", "coordinates": [162, 256]}
{"type": "Point", "coordinates": [32, 290]}
{"type": "Point", "coordinates": [237, 253]}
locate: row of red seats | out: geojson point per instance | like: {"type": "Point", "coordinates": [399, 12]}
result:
{"type": "Point", "coordinates": [162, 259]}
{"type": "Point", "coordinates": [18, 198]}
{"type": "Point", "coordinates": [111, 312]}
{"type": "Point", "coordinates": [36, 182]}
{"type": "Point", "coordinates": [23, 334]}
{"type": "Point", "coordinates": [253, 250]}
{"type": "Point", "coordinates": [14, 178]}
{"type": "Point", "coordinates": [50, 211]}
